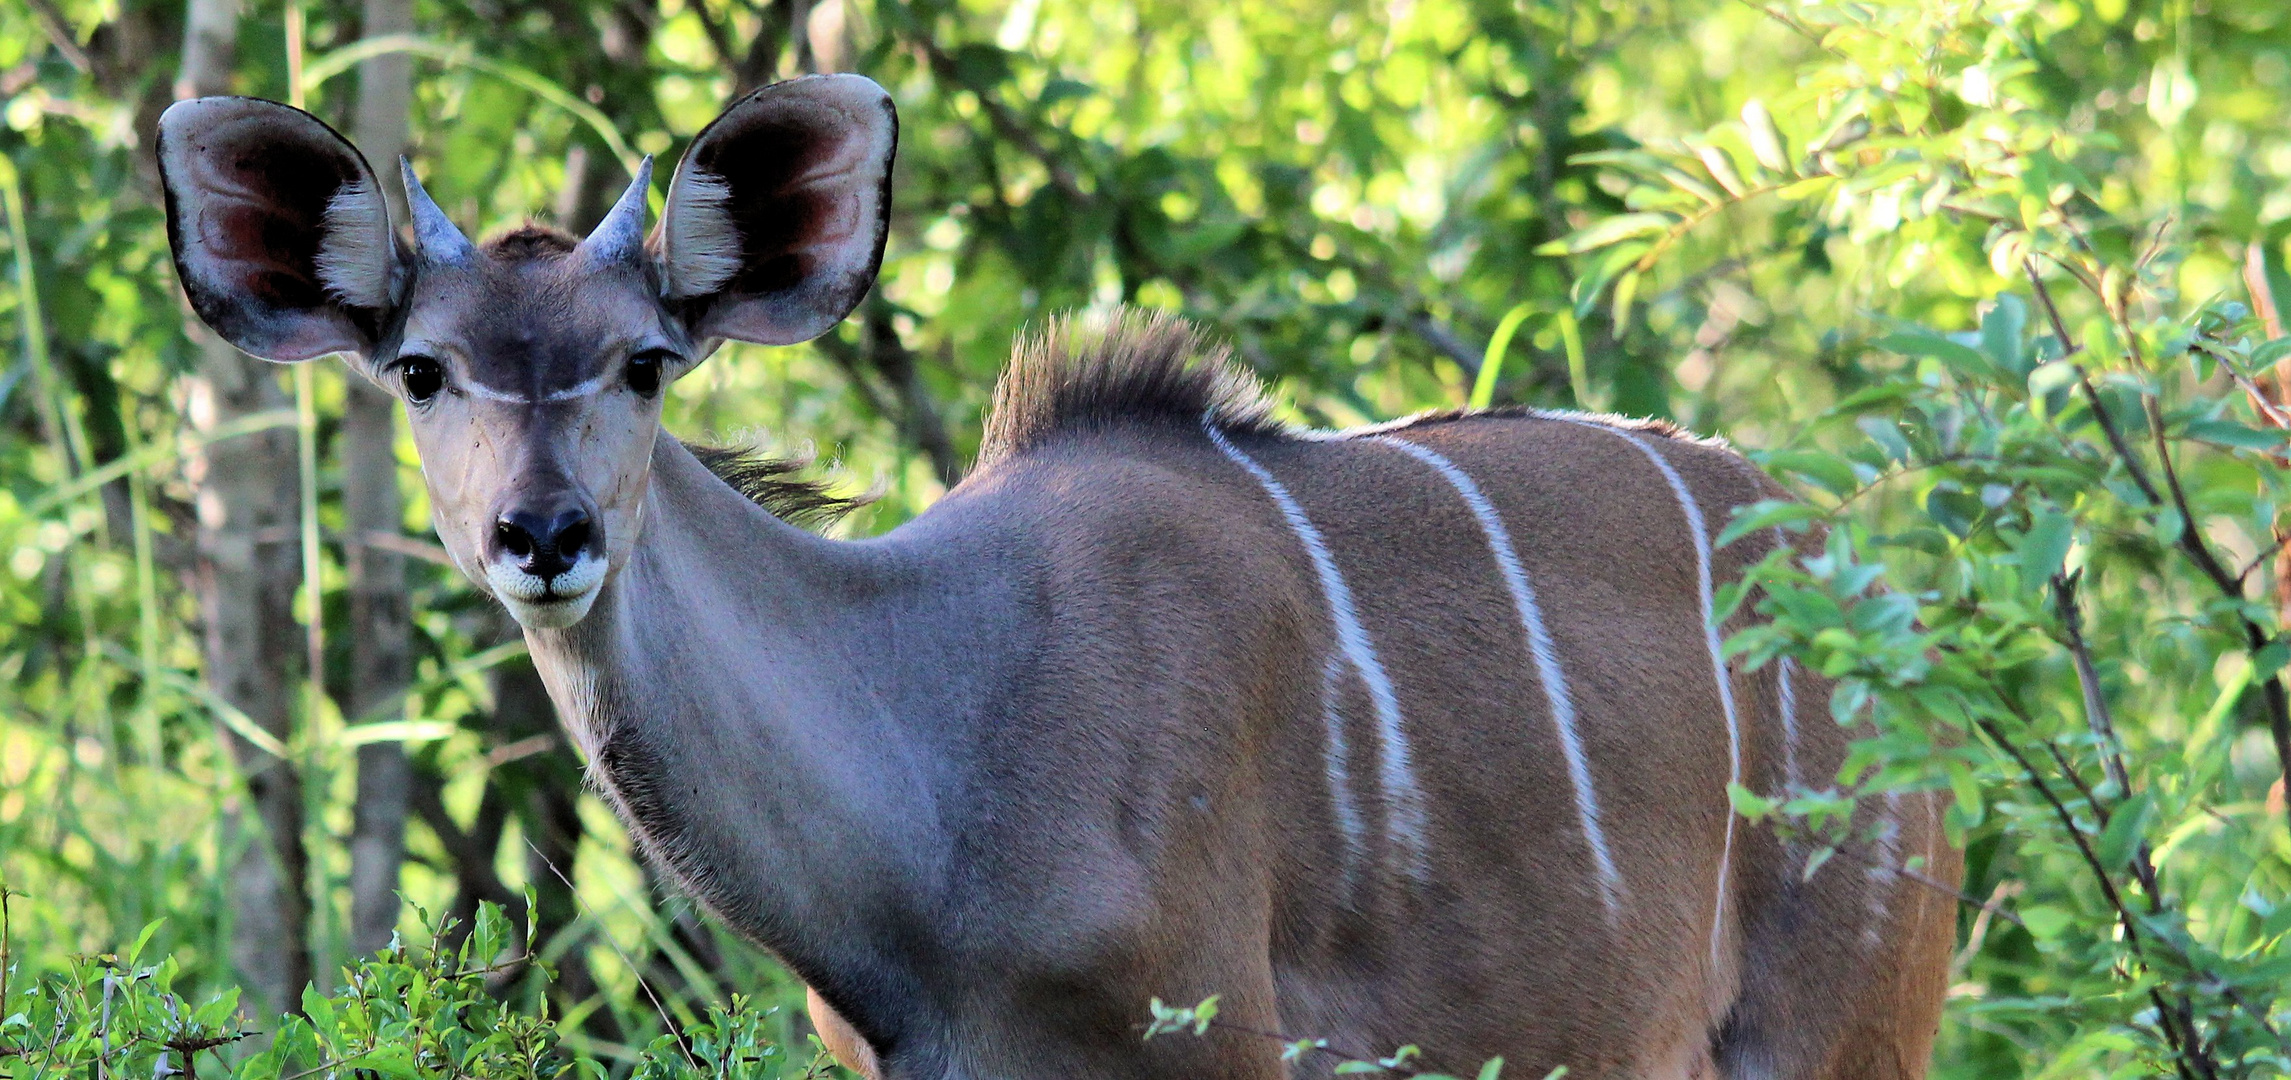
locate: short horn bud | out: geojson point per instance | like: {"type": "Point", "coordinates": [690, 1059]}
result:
{"type": "Point", "coordinates": [435, 236]}
{"type": "Point", "coordinates": [619, 238]}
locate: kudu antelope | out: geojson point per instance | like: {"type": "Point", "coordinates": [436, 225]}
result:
{"type": "Point", "coordinates": [1418, 733]}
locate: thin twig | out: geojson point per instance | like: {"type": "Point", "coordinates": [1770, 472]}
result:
{"type": "Point", "coordinates": [2068, 770]}
{"type": "Point", "coordinates": [1317, 1045]}
{"type": "Point", "coordinates": [5, 893]}
{"type": "Point", "coordinates": [1445, 342]}
{"type": "Point", "coordinates": [2267, 410]}
{"type": "Point", "coordinates": [2260, 559]}
{"type": "Point", "coordinates": [1979, 933]}
{"type": "Point", "coordinates": [2165, 1016]}
{"type": "Point", "coordinates": [2190, 540]}
{"type": "Point", "coordinates": [1930, 882]}
{"type": "Point", "coordinates": [666, 1020]}
{"type": "Point", "coordinates": [2259, 1015]}
{"type": "Point", "coordinates": [59, 30]}
{"type": "Point", "coordinates": [2096, 713]}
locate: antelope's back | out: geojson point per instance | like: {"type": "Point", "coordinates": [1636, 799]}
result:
{"type": "Point", "coordinates": [1524, 750]}
{"type": "Point", "coordinates": [1423, 733]}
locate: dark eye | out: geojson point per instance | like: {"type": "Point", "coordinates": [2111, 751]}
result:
{"type": "Point", "coordinates": [644, 370]}
{"type": "Point", "coordinates": [422, 377]}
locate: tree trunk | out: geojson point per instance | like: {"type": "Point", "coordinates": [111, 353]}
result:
{"type": "Point", "coordinates": [381, 632]}
{"type": "Point", "coordinates": [249, 567]}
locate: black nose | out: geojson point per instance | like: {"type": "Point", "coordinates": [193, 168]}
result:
{"type": "Point", "coordinates": [544, 545]}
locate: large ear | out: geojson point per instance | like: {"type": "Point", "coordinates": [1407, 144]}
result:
{"type": "Point", "coordinates": [281, 235]}
{"type": "Point", "coordinates": [775, 219]}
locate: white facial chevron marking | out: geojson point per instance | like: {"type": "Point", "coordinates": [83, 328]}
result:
{"type": "Point", "coordinates": [1697, 529]}
{"type": "Point", "coordinates": [1546, 656]}
{"type": "Point", "coordinates": [1406, 816]}
{"type": "Point", "coordinates": [581, 390]}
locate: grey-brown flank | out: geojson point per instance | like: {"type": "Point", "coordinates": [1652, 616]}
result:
{"type": "Point", "coordinates": [1091, 730]}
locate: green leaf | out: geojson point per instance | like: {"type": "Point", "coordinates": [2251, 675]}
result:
{"type": "Point", "coordinates": [1886, 433]}
{"type": "Point", "coordinates": [2125, 828]}
{"type": "Point", "coordinates": [142, 939]}
{"type": "Point", "coordinates": [1953, 509]}
{"type": "Point", "coordinates": [2004, 335]}
{"type": "Point", "coordinates": [1766, 142]}
{"type": "Point", "coordinates": [1765, 515]}
{"type": "Point", "coordinates": [1491, 365]}
{"type": "Point", "coordinates": [1961, 359]}
{"type": "Point", "coordinates": [1721, 166]}
{"type": "Point", "coordinates": [2230, 433]}
{"type": "Point", "coordinates": [1612, 230]}
{"type": "Point", "coordinates": [1846, 132]}
{"type": "Point", "coordinates": [2045, 922]}
{"type": "Point", "coordinates": [1686, 182]}
{"type": "Point", "coordinates": [1834, 474]}
{"type": "Point", "coordinates": [2270, 659]}
{"type": "Point", "coordinates": [1967, 790]}
{"type": "Point", "coordinates": [1749, 803]}
{"type": "Point", "coordinates": [1812, 187]}
{"type": "Point", "coordinates": [2045, 547]}
{"type": "Point", "coordinates": [1063, 89]}
{"type": "Point", "coordinates": [1493, 1070]}
{"type": "Point", "coordinates": [1821, 856]}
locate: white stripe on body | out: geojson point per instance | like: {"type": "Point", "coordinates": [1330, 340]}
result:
{"type": "Point", "coordinates": [1789, 700]}
{"type": "Point", "coordinates": [1406, 816]}
{"type": "Point", "coordinates": [1932, 853]}
{"type": "Point", "coordinates": [1340, 768]}
{"type": "Point", "coordinates": [1789, 703]}
{"type": "Point", "coordinates": [1884, 873]}
{"type": "Point", "coordinates": [1699, 530]}
{"type": "Point", "coordinates": [1546, 656]}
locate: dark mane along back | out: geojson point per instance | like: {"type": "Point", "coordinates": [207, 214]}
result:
{"type": "Point", "coordinates": [1088, 372]}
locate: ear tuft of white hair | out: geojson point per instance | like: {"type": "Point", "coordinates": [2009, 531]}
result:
{"type": "Point", "coordinates": [700, 243]}
{"type": "Point", "coordinates": [354, 256]}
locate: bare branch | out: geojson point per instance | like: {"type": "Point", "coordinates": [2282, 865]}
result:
{"type": "Point", "coordinates": [2096, 713]}
{"type": "Point", "coordinates": [1445, 342]}
{"type": "Point", "coordinates": [1918, 877]}
{"type": "Point", "coordinates": [59, 30]}
{"type": "Point", "coordinates": [2191, 540]}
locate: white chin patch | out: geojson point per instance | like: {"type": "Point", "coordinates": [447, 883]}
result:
{"type": "Point", "coordinates": [553, 604]}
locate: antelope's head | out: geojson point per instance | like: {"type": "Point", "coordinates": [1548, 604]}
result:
{"type": "Point", "coordinates": [531, 366]}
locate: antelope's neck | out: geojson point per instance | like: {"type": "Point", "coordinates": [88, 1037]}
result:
{"type": "Point", "coordinates": [772, 711]}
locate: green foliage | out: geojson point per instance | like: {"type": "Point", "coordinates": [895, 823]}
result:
{"type": "Point", "coordinates": [1837, 232]}
{"type": "Point", "coordinates": [2067, 500]}
{"type": "Point", "coordinates": [414, 1012]}
{"type": "Point", "coordinates": [1197, 1020]}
